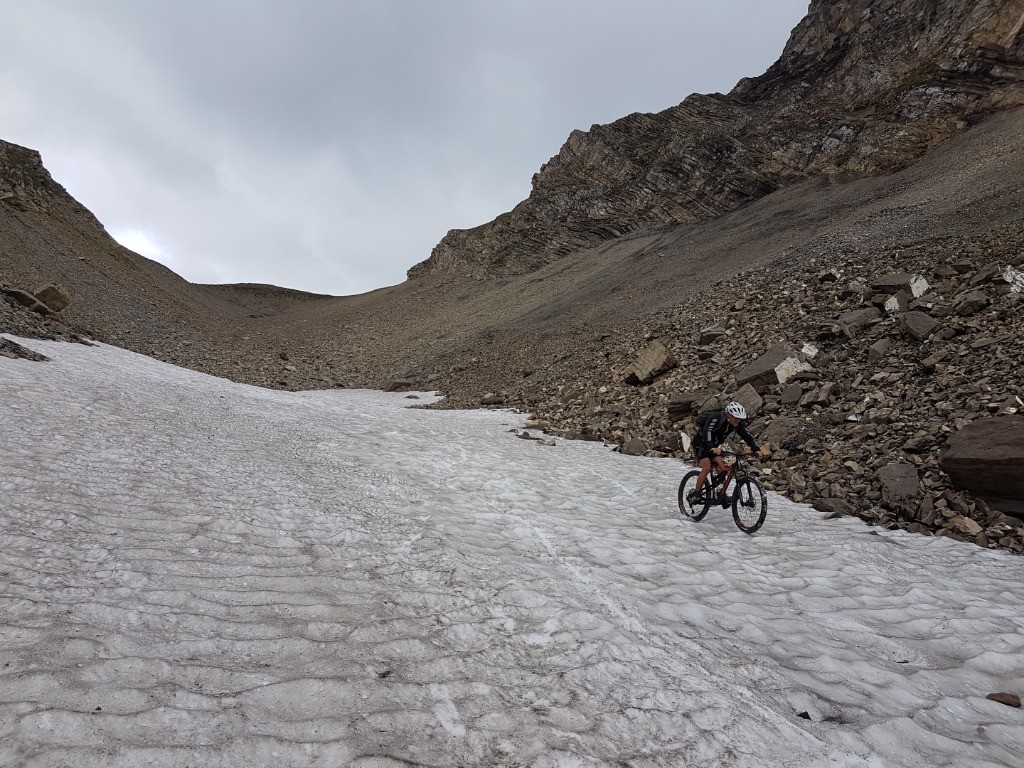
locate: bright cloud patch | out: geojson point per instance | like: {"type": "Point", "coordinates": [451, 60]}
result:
{"type": "Point", "coordinates": [142, 243]}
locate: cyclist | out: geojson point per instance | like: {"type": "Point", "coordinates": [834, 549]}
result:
{"type": "Point", "coordinates": [713, 427]}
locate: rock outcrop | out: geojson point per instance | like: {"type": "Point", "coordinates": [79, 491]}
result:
{"type": "Point", "coordinates": [53, 296]}
{"type": "Point", "coordinates": [862, 87]}
{"type": "Point", "coordinates": [986, 457]}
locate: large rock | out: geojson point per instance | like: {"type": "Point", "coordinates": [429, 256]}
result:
{"type": "Point", "coordinates": [686, 403]}
{"type": "Point", "coordinates": [776, 366]}
{"type": "Point", "coordinates": [919, 325]}
{"type": "Point", "coordinates": [791, 433]}
{"type": "Point", "coordinates": [986, 457]}
{"type": "Point", "coordinates": [899, 481]}
{"type": "Point", "coordinates": [971, 303]}
{"type": "Point", "coordinates": [634, 446]}
{"type": "Point", "coordinates": [858, 318]}
{"type": "Point", "coordinates": [15, 351]}
{"type": "Point", "coordinates": [653, 360]}
{"type": "Point", "coordinates": [25, 299]}
{"type": "Point", "coordinates": [988, 273]}
{"type": "Point", "coordinates": [834, 508]}
{"type": "Point", "coordinates": [914, 285]}
{"type": "Point", "coordinates": [710, 335]}
{"type": "Point", "coordinates": [792, 394]}
{"type": "Point", "coordinates": [878, 350]}
{"type": "Point", "coordinates": [897, 303]}
{"type": "Point", "coordinates": [53, 296]}
{"type": "Point", "coordinates": [751, 401]}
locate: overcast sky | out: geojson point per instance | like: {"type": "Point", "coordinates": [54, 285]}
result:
{"type": "Point", "coordinates": [328, 146]}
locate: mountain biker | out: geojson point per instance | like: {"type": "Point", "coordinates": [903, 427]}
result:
{"type": "Point", "coordinates": [713, 427]}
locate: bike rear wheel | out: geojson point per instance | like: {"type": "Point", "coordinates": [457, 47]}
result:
{"type": "Point", "coordinates": [694, 510]}
{"type": "Point", "coordinates": [749, 505]}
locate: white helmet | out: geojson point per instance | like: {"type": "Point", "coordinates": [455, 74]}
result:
{"type": "Point", "coordinates": [737, 410]}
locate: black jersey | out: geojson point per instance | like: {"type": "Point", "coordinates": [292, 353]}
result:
{"type": "Point", "coordinates": [713, 428]}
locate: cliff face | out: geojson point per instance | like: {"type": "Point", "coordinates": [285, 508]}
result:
{"type": "Point", "coordinates": [863, 86]}
{"type": "Point", "coordinates": [26, 185]}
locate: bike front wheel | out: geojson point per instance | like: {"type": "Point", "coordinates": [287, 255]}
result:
{"type": "Point", "coordinates": [749, 505]}
{"type": "Point", "coordinates": [695, 510]}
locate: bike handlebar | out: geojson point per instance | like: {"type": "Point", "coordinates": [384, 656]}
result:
{"type": "Point", "coordinates": [744, 454]}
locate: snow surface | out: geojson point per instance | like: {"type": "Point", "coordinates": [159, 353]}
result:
{"type": "Point", "coordinates": [201, 573]}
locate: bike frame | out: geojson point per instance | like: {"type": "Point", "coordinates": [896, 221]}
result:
{"type": "Point", "coordinates": [731, 470]}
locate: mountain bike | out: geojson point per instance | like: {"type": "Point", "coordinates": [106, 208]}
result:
{"type": "Point", "coordinates": [749, 501]}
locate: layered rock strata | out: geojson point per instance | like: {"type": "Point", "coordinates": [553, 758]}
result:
{"type": "Point", "coordinates": [862, 87]}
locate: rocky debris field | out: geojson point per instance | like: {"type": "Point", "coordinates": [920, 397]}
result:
{"type": "Point", "coordinates": [862, 371]}
{"type": "Point", "coordinates": [32, 315]}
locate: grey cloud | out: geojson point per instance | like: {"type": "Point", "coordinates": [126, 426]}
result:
{"type": "Point", "coordinates": [328, 146]}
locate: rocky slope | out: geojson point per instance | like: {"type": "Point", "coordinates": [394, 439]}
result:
{"type": "Point", "coordinates": [893, 377]}
{"type": "Point", "coordinates": [885, 379]}
{"type": "Point", "coordinates": [862, 87]}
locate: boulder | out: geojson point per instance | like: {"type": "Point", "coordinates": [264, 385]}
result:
{"type": "Point", "coordinates": [878, 350]}
{"type": "Point", "coordinates": [792, 394]}
{"type": "Point", "coordinates": [711, 335]}
{"type": "Point", "coordinates": [899, 482]}
{"type": "Point", "coordinates": [827, 331]}
{"type": "Point", "coordinates": [853, 289]}
{"type": "Point", "coordinates": [53, 296]}
{"type": "Point", "coordinates": [931, 362]}
{"type": "Point", "coordinates": [891, 284]}
{"type": "Point", "coordinates": [25, 299]}
{"type": "Point", "coordinates": [918, 325]}
{"type": "Point", "coordinates": [899, 302]}
{"type": "Point", "coordinates": [747, 397]}
{"type": "Point", "coordinates": [1009, 699]}
{"type": "Point", "coordinates": [851, 321]}
{"type": "Point", "coordinates": [790, 433]}
{"type": "Point", "coordinates": [986, 457]}
{"type": "Point", "coordinates": [686, 403]}
{"type": "Point", "coordinates": [652, 361]}
{"type": "Point", "coordinates": [1010, 406]}
{"type": "Point", "coordinates": [971, 303]}
{"type": "Point", "coordinates": [15, 351]}
{"type": "Point", "coordinates": [988, 273]}
{"type": "Point", "coordinates": [776, 366]}
{"type": "Point", "coordinates": [964, 525]}
{"type": "Point", "coordinates": [829, 276]}
{"type": "Point", "coordinates": [1014, 279]}
{"type": "Point", "coordinates": [634, 446]}
{"type": "Point", "coordinates": [834, 508]}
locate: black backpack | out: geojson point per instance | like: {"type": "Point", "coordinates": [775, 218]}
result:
{"type": "Point", "coordinates": [703, 416]}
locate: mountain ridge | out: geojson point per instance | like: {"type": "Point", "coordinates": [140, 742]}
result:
{"type": "Point", "coordinates": [862, 87]}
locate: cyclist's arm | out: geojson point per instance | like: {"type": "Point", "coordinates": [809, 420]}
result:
{"type": "Point", "coordinates": [741, 430]}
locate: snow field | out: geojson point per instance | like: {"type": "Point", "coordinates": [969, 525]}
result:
{"type": "Point", "coordinates": [200, 572]}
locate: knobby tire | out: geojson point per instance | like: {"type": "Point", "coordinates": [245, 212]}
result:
{"type": "Point", "coordinates": [698, 510]}
{"type": "Point", "coordinates": [749, 505]}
